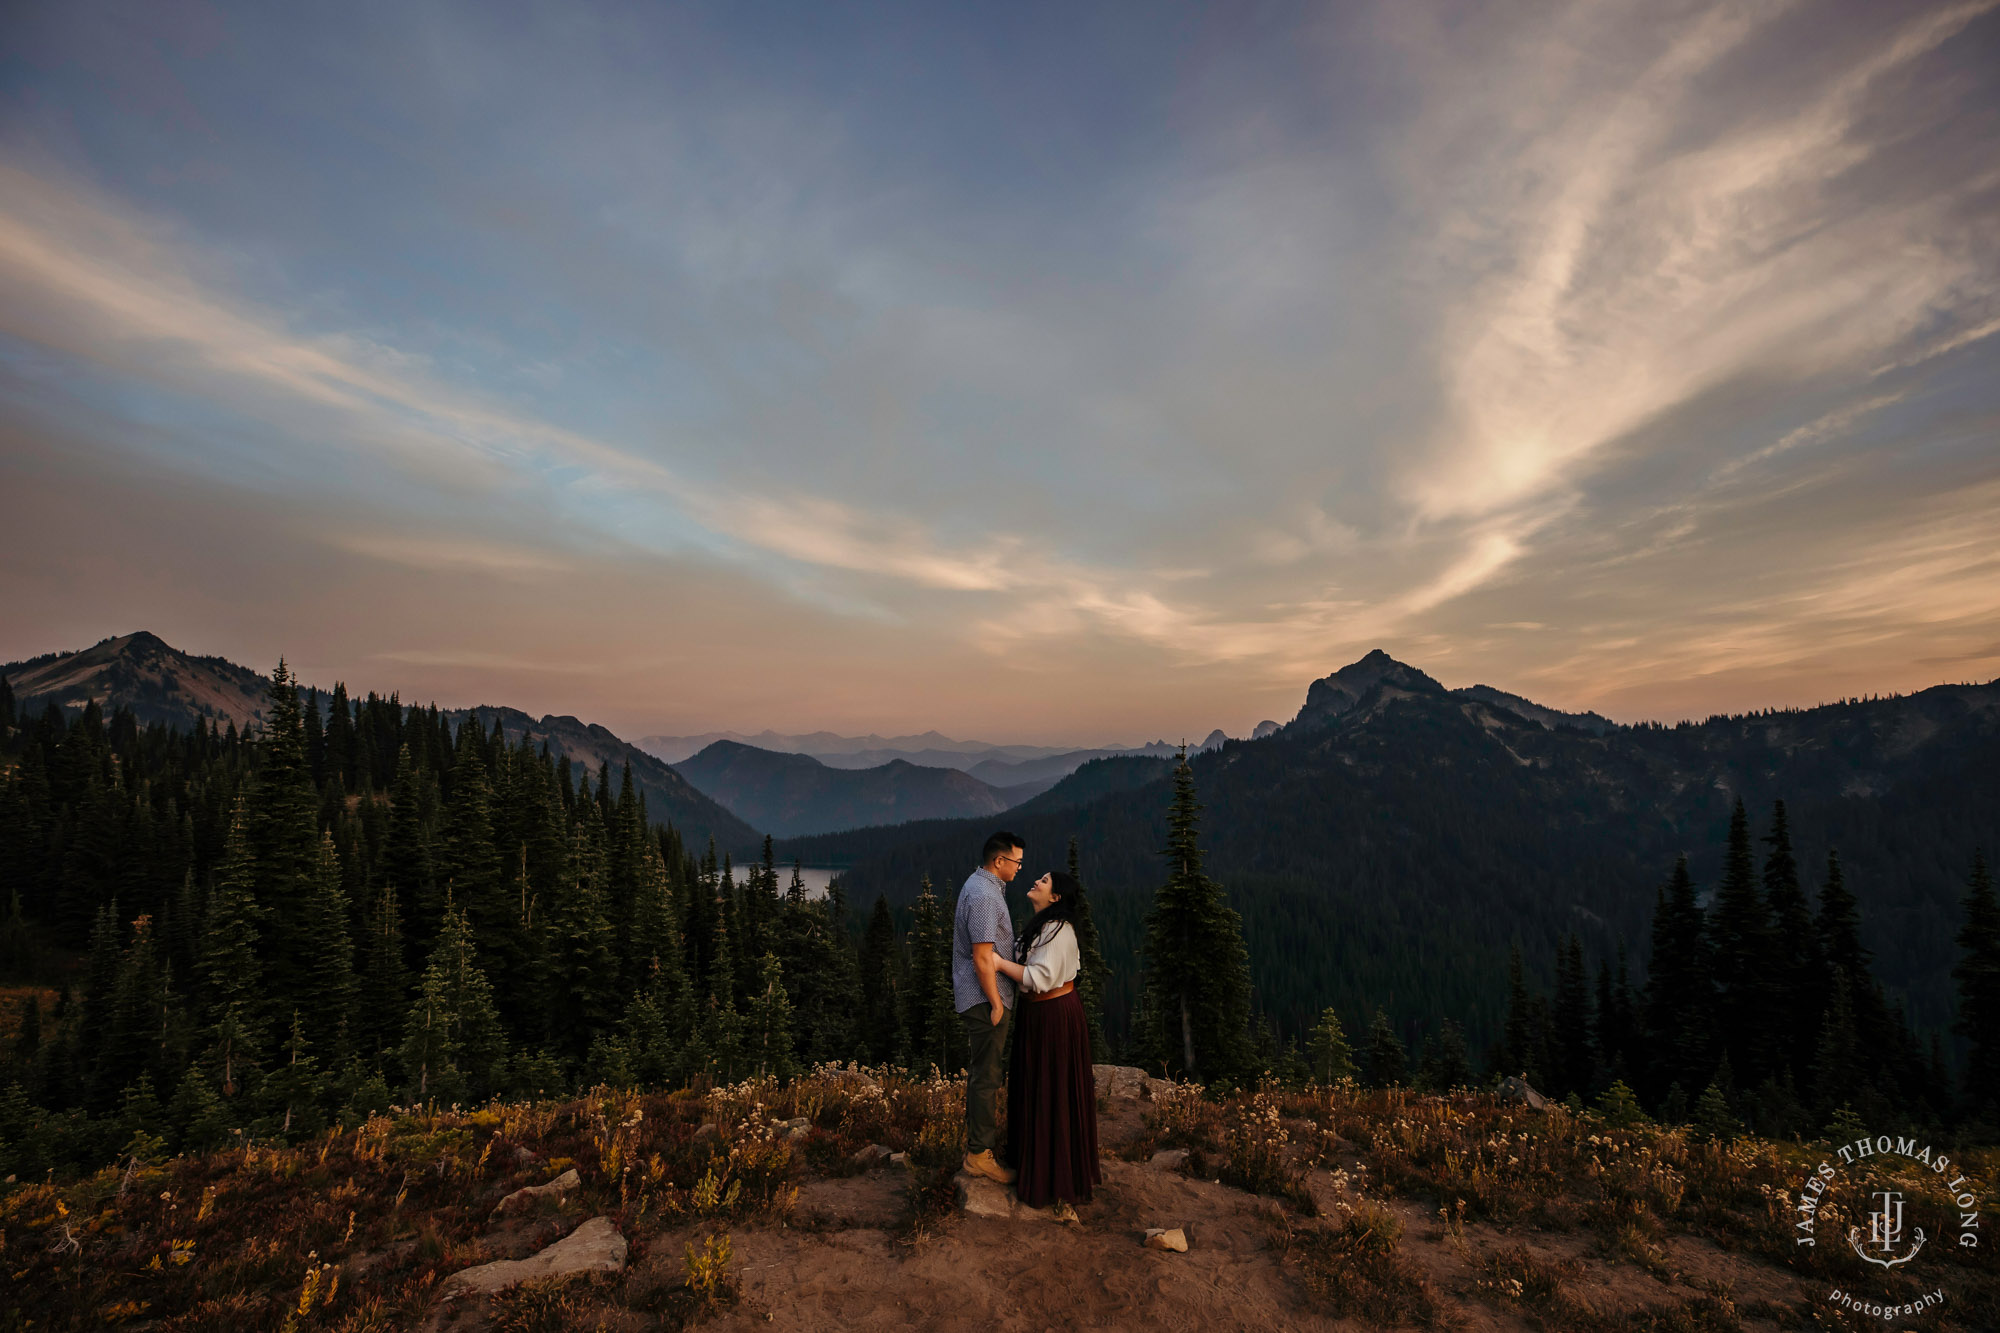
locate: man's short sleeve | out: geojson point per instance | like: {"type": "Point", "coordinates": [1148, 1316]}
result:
{"type": "Point", "coordinates": [990, 922]}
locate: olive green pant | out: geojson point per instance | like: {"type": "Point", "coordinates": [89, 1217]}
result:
{"type": "Point", "coordinates": [985, 1040]}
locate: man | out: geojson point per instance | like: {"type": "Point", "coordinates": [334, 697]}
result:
{"type": "Point", "coordinates": [981, 926]}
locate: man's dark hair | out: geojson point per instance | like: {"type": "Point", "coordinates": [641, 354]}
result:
{"type": "Point", "coordinates": [1002, 841]}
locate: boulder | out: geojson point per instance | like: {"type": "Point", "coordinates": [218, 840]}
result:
{"type": "Point", "coordinates": [529, 1195]}
{"type": "Point", "coordinates": [1160, 1238]}
{"type": "Point", "coordinates": [980, 1197]}
{"type": "Point", "coordinates": [872, 1155]}
{"type": "Point", "coordinates": [1120, 1080]}
{"type": "Point", "coordinates": [1167, 1159]}
{"type": "Point", "coordinates": [1517, 1090]}
{"type": "Point", "coordinates": [594, 1247]}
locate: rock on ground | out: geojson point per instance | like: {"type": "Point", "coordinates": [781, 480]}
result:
{"type": "Point", "coordinates": [594, 1247]}
{"type": "Point", "coordinates": [526, 1196]}
{"type": "Point", "coordinates": [1128, 1081]}
{"type": "Point", "coordinates": [980, 1197]}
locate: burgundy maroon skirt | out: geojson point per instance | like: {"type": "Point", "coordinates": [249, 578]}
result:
{"type": "Point", "coordinates": [1052, 1103]}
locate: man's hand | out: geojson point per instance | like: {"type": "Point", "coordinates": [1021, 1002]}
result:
{"type": "Point", "coordinates": [985, 963]}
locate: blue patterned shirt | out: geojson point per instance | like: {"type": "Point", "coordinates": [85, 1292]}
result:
{"type": "Point", "coordinates": [981, 917]}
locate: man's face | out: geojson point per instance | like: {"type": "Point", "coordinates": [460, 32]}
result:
{"type": "Point", "coordinates": [1008, 864]}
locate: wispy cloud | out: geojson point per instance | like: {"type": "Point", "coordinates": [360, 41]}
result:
{"type": "Point", "coordinates": [1581, 346]}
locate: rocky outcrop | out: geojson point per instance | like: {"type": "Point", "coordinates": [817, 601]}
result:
{"type": "Point", "coordinates": [594, 1247]}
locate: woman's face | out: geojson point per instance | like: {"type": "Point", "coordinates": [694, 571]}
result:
{"type": "Point", "coordinates": [1042, 892]}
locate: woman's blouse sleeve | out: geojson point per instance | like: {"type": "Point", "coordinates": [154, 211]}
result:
{"type": "Point", "coordinates": [1052, 962]}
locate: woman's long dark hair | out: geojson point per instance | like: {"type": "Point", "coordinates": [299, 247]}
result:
{"type": "Point", "coordinates": [1069, 897]}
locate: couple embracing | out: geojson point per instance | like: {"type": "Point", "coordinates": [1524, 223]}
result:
{"type": "Point", "coordinates": [1051, 1090]}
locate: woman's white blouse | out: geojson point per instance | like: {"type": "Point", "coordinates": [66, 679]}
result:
{"type": "Point", "coordinates": [1052, 962]}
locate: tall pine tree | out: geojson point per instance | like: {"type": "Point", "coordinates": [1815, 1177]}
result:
{"type": "Point", "coordinates": [1195, 967]}
{"type": "Point", "coordinates": [1978, 977]}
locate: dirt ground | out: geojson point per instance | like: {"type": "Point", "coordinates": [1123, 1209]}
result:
{"type": "Point", "coordinates": [849, 1259]}
{"type": "Point", "coordinates": [842, 1263]}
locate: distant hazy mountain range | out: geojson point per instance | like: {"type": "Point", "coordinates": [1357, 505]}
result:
{"type": "Point", "coordinates": [163, 685]}
{"type": "Point", "coordinates": [993, 764]}
{"type": "Point", "coordinates": [791, 794]}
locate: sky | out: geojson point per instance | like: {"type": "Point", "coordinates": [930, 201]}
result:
{"type": "Point", "coordinates": [1044, 373]}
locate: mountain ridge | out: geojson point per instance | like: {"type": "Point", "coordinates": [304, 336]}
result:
{"type": "Point", "coordinates": [796, 794]}
{"type": "Point", "coordinates": [166, 686]}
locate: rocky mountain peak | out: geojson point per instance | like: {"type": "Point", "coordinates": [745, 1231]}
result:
{"type": "Point", "coordinates": [1330, 696]}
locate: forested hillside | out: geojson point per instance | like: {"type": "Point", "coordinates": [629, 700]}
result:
{"type": "Point", "coordinates": [158, 684]}
{"type": "Point", "coordinates": [1390, 847]}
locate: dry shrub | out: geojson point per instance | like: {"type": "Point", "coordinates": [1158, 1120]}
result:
{"type": "Point", "coordinates": [1540, 1288]}
{"type": "Point", "coordinates": [1354, 1270]}
{"type": "Point", "coordinates": [1257, 1157]}
{"type": "Point", "coordinates": [550, 1305]}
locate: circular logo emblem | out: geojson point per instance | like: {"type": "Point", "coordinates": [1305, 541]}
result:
{"type": "Point", "coordinates": [1889, 1201]}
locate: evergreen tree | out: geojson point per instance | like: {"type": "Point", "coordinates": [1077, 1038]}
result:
{"type": "Point", "coordinates": [452, 1038]}
{"type": "Point", "coordinates": [1793, 965]}
{"type": "Point", "coordinates": [470, 866]}
{"type": "Point", "coordinates": [1839, 1073]}
{"type": "Point", "coordinates": [1680, 1002]}
{"type": "Point", "coordinates": [1388, 1061]}
{"type": "Point", "coordinates": [1574, 1059]}
{"type": "Point", "coordinates": [1093, 974]}
{"type": "Point", "coordinates": [1195, 966]}
{"type": "Point", "coordinates": [283, 809]}
{"type": "Point", "coordinates": [930, 1019]}
{"type": "Point", "coordinates": [294, 1088]}
{"type": "Point", "coordinates": [340, 739]}
{"type": "Point", "coordinates": [196, 1116]}
{"type": "Point", "coordinates": [767, 1026]}
{"type": "Point", "coordinates": [1978, 975]}
{"type": "Point", "coordinates": [1329, 1059]}
{"type": "Point", "coordinates": [1525, 1043]}
{"type": "Point", "coordinates": [328, 988]}
{"type": "Point", "coordinates": [881, 999]}
{"type": "Point", "coordinates": [228, 974]}
{"type": "Point", "coordinates": [583, 954]}
{"type": "Point", "coordinates": [818, 967]}
{"type": "Point", "coordinates": [406, 856]}
{"type": "Point", "coordinates": [384, 988]}
{"type": "Point", "coordinates": [1445, 1063]}
{"type": "Point", "coordinates": [1740, 955]}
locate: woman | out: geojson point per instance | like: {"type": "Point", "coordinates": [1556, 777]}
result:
{"type": "Point", "coordinates": [1051, 1090]}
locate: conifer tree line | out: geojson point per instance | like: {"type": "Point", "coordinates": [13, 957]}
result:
{"type": "Point", "coordinates": [1760, 1010]}
{"type": "Point", "coordinates": [361, 905]}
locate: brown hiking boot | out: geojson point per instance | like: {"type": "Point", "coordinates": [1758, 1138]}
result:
{"type": "Point", "coordinates": [985, 1164]}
